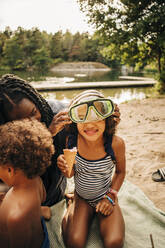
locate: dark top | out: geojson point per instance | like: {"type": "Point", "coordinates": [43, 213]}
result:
{"type": "Point", "coordinates": [53, 179]}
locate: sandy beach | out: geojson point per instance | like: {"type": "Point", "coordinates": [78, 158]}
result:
{"type": "Point", "coordinates": [142, 127]}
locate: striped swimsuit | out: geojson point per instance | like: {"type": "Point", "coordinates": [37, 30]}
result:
{"type": "Point", "coordinates": [93, 177]}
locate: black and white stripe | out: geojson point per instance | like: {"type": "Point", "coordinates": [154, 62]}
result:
{"type": "Point", "coordinates": [93, 178]}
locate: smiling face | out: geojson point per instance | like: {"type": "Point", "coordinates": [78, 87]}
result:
{"type": "Point", "coordinates": [24, 109]}
{"type": "Point", "coordinates": [91, 131]}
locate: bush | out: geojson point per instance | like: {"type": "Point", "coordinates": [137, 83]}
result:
{"type": "Point", "coordinates": [57, 61]}
{"type": "Point", "coordinates": [160, 85]}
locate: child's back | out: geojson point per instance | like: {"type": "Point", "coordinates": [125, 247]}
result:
{"type": "Point", "coordinates": [22, 159]}
{"type": "Point", "coordinates": [20, 210]}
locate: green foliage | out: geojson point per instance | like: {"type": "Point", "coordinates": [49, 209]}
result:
{"type": "Point", "coordinates": [160, 85]}
{"type": "Point", "coordinates": [57, 61]}
{"type": "Point", "coordinates": [67, 45]}
{"type": "Point", "coordinates": [4, 36]}
{"type": "Point", "coordinates": [35, 50]}
{"type": "Point", "coordinates": [42, 60]}
{"type": "Point", "coordinates": [13, 54]}
{"type": "Point", "coordinates": [132, 30]}
{"type": "Point", "coordinates": [26, 49]}
{"type": "Point", "coordinates": [56, 45]}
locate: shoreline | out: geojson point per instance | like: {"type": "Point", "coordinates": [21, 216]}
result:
{"type": "Point", "coordinates": [46, 86]}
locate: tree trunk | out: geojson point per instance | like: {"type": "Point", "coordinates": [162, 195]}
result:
{"type": "Point", "coordinates": [159, 58]}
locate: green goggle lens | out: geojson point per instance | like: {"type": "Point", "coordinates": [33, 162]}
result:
{"type": "Point", "coordinates": [103, 109]}
{"type": "Point", "coordinates": [78, 113]}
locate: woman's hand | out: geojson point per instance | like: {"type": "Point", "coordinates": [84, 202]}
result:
{"type": "Point", "coordinates": [59, 121]}
{"type": "Point", "coordinates": [116, 114]}
{"type": "Point", "coordinates": [104, 207]}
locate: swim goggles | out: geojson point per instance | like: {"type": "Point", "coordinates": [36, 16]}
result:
{"type": "Point", "coordinates": [93, 110]}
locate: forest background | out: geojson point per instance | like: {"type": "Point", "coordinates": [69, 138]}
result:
{"type": "Point", "coordinates": [128, 32]}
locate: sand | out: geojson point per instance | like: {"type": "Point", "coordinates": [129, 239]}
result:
{"type": "Point", "coordinates": [142, 127]}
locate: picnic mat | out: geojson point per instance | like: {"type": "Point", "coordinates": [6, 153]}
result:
{"type": "Point", "coordinates": [142, 219]}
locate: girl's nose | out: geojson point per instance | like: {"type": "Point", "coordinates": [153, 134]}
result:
{"type": "Point", "coordinates": [92, 116]}
{"type": "Point", "coordinates": [89, 124]}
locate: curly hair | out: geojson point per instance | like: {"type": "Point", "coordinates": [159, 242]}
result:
{"type": "Point", "coordinates": [26, 145]}
{"type": "Point", "coordinates": [13, 89]}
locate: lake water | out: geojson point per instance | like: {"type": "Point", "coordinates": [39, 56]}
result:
{"type": "Point", "coordinates": [116, 94]}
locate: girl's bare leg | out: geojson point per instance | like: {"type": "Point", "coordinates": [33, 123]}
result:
{"type": "Point", "coordinates": [112, 228]}
{"type": "Point", "coordinates": [76, 223]}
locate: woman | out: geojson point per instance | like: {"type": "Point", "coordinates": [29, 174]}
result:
{"type": "Point", "coordinates": [18, 100]}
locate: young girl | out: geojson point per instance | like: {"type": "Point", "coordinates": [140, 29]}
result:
{"type": "Point", "coordinates": [99, 152]}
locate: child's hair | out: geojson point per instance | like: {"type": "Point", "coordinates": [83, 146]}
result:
{"type": "Point", "coordinates": [26, 145]}
{"type": "Point", "coordinates": [110, 127]}
{"type": "Point", "coordinates": [13, 89]}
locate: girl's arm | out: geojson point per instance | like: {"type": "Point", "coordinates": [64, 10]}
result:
{"type": "Point", "coordinates": [118, 147]}
{"type": "Point", "coordinates": [62, 165]}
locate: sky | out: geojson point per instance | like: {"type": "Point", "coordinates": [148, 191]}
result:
{"type": "Point", "coordinates": [48, 15]}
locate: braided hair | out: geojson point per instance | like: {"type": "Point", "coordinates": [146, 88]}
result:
{"type": "Point", "coordinates": [13, 89]}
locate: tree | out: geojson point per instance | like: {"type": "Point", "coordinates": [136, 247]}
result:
{"type": "Point", "coordinates": [67, 44]}
{"type": "Point", "coordinates": [42, 60]}
{"type": "Point", "coordinates": [34, 41]}
{"type": "Point", "coordinates": [129, 26]}
{"type": "Point", "coordinates": [4, 36]}
{"type": "Point", "coordinates": [56, 45]}
{"type": "Point", "coordinates": [13, 54]}
{"type": "Point", "coordinates": [74, 54]}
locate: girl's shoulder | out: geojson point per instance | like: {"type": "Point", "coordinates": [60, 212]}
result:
{"type": "Point", "coordinates": [117, 142]}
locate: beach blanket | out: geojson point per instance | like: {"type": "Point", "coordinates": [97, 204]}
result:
{"type": "Point", "coordinates": [142, 219]}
